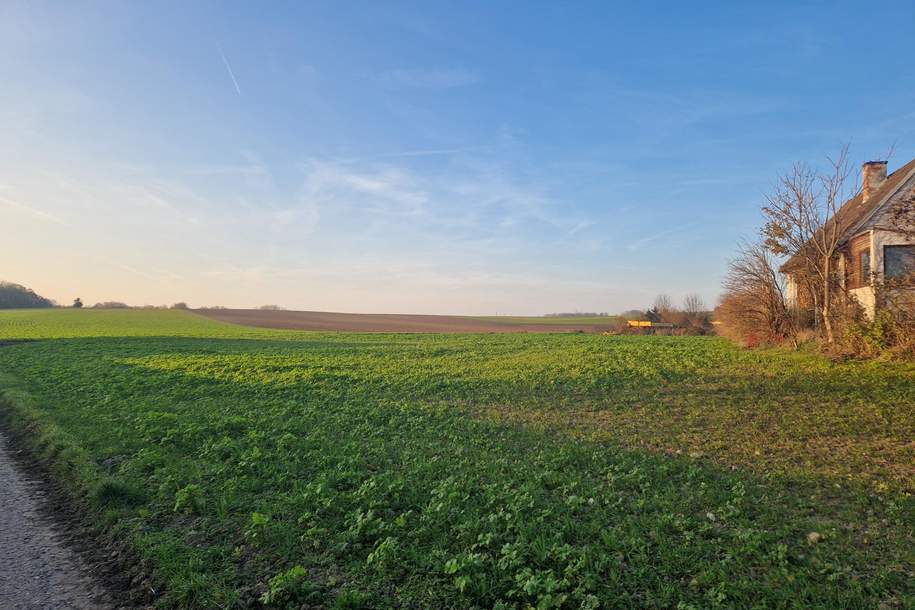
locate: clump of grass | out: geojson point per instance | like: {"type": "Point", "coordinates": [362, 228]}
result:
{"type": "Point", "coordinates": [111, 493]}
{"type": "Point", "coordinates": [189, 499]}
{"type": "Point", "coordinates": [291, 587]}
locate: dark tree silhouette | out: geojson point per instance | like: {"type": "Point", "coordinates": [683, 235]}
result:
{"type": "Point", "coordinates": [14, 296]}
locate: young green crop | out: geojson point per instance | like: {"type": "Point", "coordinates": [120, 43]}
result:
{"type": "Point", "coordinates": [491, 471]}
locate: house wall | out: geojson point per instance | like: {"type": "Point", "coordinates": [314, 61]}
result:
{"type": "Point", "coordinates": [886, 238]}
{"type": "Point", "coordinates": [866, 295]}
{"type": "Point", "coordinates": [881, 226]}
{"type": "Point", "coordinates": [791, 291]}
{"type": "Point", "coordinates": [848, 262]}
{"type": "Point", "coordinates": [886, 234]}
{"type": "Point", "coordinates": [867, 298]}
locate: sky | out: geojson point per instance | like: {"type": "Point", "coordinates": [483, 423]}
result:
{"type": "Point", "coordinates": [423, 157]}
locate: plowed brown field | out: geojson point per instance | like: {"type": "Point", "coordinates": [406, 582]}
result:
{"type": "Point", "coordinates": [388, 323]}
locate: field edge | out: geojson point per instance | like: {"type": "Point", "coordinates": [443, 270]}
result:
{"type": "Point", "coordinates": [69, 479]}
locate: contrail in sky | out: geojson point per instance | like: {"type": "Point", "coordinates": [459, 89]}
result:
{"type": "Point", "coordinates": [229, 70]}
{"type": "Point", "coordinates": [30, 210]}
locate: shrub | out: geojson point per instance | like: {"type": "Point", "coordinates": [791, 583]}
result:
{"type": "Point", "coordinates": [753, 309]}
{"type": "Point", "coordinates": [890, 332]}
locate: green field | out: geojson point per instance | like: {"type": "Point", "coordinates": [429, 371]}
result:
{"type": "Point", "coordinates": [250, 467]}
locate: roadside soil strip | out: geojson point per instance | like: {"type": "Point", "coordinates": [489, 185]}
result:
{"type": "Point", "coordinates": [37, 569]}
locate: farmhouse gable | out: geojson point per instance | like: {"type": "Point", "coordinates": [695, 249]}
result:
{"type": "Point", "coordinates": [877, 242]}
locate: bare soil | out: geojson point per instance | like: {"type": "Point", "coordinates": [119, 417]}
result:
{"type": "Point", "coordinates": [40, 569]}
{"type": "Point", "coordinates": [385, 323]}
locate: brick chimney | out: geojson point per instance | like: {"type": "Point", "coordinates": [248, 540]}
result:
{"type": "Point", "coordinates": [873, 173]}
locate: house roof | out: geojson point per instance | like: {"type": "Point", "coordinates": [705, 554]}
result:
{"type": "Point", "coordinates": [855, 211]}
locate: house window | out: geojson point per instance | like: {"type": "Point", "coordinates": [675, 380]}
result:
{"type": "Point", "coordinates": [898, 261]}
{"type": "Point", "coordinates": [858, 262]}
{"type": "Point", "coordinates": [859, 270]}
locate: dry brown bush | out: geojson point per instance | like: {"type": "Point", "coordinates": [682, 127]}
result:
{"type": "Point", "coordinates": [753, 309]}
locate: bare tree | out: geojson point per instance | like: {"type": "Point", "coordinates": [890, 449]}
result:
{"type": "Point", "coordinates": [802, 223]}
{"type": "Point", "coordinates": [661, 309]}
{"type": "Point", "coordinates": [693, 305]}
{"type": "Point", "coordinates": [694, 316]}
{"type": "Point", "coordinates": [753, 305]}
{"type": "Point", "coordinates": [663, 304]}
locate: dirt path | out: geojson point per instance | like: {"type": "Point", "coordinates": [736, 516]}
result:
{"type": "Point", "coordinates": [37, 570]}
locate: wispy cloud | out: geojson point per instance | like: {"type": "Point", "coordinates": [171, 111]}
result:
{"type": "Point", "coordinates": [477, 207]}
{"type": "Point", "coordinates": [431, 152]}
{"type": "Point", "coordinates": [434, 78]}
{"type": "Point", "coordinates": [149, 273]}
{"type": "Point", "coordinates": [229, 70]}
{"type": "Point", "coordinates": [385, 190]}
{"type": "Point", "coordinates": [156, 200]}
{"type": "Point", "coordinates": [641, 243]}
{"type": "Point", "coordinates": [30, 211]}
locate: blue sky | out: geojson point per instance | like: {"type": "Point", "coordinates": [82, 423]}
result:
{"type": "Point", "coordinates": [477, 158]}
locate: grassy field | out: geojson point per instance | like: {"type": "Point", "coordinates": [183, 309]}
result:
{"type": "Point", "coordinates": [251, 467]}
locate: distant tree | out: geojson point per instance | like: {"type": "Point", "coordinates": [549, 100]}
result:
{"type": "Point", "coordinates": [662, 310]}
{"type": "Point", "coordinates": [14, 296]}
{"type": "Point", "coordinates": [694, 305]}
{"type": "Point", "coordinates": [180, 305]}
{"type": "Point", "coordinates": [695, 316]}
{"type": "Point", "coordinates": [652, 315]}
{"type": "Point", "coordinates": [110, 305]}
{"type": "Point", "coordinates": [77, 303]}
{"type": "Point", "coordinates": [633, 314]}
{"type": "Point", "coordinates": [662, 304]}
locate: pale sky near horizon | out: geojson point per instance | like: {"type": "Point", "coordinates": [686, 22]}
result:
{"type": "Point", "coordinates": [422, 157]}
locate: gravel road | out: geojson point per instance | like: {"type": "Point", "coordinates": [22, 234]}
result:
{"type": "Point", "coordinates": [37, 569]}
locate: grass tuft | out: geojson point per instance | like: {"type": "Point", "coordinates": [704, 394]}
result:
{"type": "Point", "coordinates": [117, 494]}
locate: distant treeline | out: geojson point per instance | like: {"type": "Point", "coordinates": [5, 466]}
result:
{"type": "Point", "coordinates": [14, 296]}
{"type": "Point", "coordinates": [578, 314]}
{"type": "Point", "coordinates": [120, 305]}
